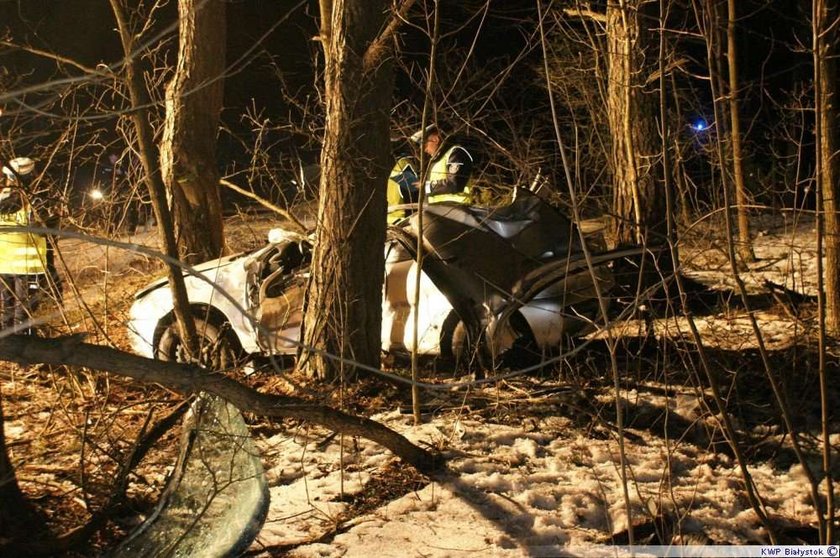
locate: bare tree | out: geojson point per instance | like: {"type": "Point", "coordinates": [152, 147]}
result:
{"type": "Point", "coordinates": [188, 147]}
{"type": "Point", "coordinates": [825, 19]}
{"type": "Point", "coordinates": [745, 249]}
{"type": "Point", "coordinates": [342, 307]}
{"type": "Point", "coordinates": [828, 164]}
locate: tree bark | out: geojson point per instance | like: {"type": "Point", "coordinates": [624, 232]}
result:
{"type": "Point", "coordinates": [745, 249]}
{"type": "Point", "coordinates": [638, 203]}
{"type": "Point", "coordinates": [188, 379]}
{"type": "Point", "coordinates": [824, 16]}
{"type": "Point", "coordinates": [343, 304]}
{"type": "Point", "coordinates": [188, 148]}
{"type": "Point", "coordinates": [829, 164]}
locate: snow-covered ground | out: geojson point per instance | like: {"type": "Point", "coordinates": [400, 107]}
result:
{"type": "Point", "coordinates": [534, 463]}
{"type": "Point", "coordinates": [534, 486]}
{"type": "Point", "coordinates": [538, 475]}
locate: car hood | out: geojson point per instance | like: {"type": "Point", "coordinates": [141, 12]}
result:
{"type": "Point", "coordinates": [214, 265]}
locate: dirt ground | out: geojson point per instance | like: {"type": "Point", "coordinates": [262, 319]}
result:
{"type": "Point", "coordinates": [69, 431]}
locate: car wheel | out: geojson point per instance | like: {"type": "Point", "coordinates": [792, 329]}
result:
{"type": "Point", "coordinates": [465, 350]}
{"type": "Point", "coordinates": [217, 349]}
{"type": "Point", "coordinates": [458, 347]}
{"type": "Point", "coordinates": [524, 352]}
{"type": "Point", "coordinates": [476, 355]}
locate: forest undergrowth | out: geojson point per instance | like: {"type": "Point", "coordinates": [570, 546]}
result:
{"type": "Point", "coordinates": [69, 432]}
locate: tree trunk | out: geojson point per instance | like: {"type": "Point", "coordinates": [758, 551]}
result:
{"type": "Point", "coordinates": [716, 36]}
{"type": "Point", "coordinates": [342, 311]}
{"type": "Point", "coordinates": [638, 203]}
{"type": "Point", "coordinates": [829, 173]}
{"type": "Point", "coordinates": [152, 175]}
{"type": "Point", "coordinates": [10, 495]}
{"type": "Point", "coordinates": [188, 148]}
{"type": "Point", "coordinates": [745, 249]}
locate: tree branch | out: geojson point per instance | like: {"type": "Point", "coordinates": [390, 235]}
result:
{"type": "Point", "coordinates": [188, 379]}
{"type": "Point", "coordinates": [586, 12]}
{"type": "Point", "coordinates": [378, 47]}
{"type": "Point", "coordinates": [56, 58]}
{"type": "Point", "coordinates": [265, 203]}
{"type": "Point", "coordinates": [325, 8]}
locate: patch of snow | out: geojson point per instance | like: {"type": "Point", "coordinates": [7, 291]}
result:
{"type": "Point", "coordinates": [511, 491]}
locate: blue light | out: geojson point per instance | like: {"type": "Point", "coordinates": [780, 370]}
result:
{"type": "Point", "coordinates": [699, 125]}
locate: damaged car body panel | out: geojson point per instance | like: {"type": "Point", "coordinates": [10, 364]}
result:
{"type": "Point", "coordinates": [216, 286]}
{"type": "Point", "coordinates": [479, 257]}
{"type": "Point", "coordinates": [521, 262]}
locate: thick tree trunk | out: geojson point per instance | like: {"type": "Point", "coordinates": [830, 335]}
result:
{"type": "Point", "coordinates": [829, 164]}
{"type": "Point", "coordinates": [745, 249]}
{"type": "Point", "coordinates": [188, 148]}
{"type": "Point", "coordinates": [343, 309]}
{"type": "Point", "coordinates": [638, 203]}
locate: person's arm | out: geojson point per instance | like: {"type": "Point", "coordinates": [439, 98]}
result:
{"type": "Point", "coordinates": [458, 171]}
{"type": "Point", "coordinates": [11, 201]}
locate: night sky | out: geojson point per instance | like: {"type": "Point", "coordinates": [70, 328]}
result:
{"type": "Point", "coordinates": [271, 62]}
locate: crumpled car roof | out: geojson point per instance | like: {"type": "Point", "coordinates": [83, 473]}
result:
{"type": "Point", "coordinates": [493, 248]}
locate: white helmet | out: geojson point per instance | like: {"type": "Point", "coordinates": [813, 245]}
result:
{"type": "Point", "coordinates": [20, 165]}
{"type": "Point", "coordinates": [418, 136]}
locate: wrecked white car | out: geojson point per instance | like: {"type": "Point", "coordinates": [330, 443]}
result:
{"type": "Point", "coordinates": [495, 281]}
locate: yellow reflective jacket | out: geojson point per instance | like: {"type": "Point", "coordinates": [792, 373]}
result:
{"type": "Point", "coordinates": [450, 177]}
{"type": "Point", "coordinates": [21, 253]}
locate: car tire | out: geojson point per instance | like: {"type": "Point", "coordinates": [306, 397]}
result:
{"type": "Point", "coordinates": [456, 347]}
{"type": "Point", "coordinates": [525, 351]}
{"type": "Point", "coordinates": [475, 355]}
{"type": "Point", "coordinates": [218, 350]}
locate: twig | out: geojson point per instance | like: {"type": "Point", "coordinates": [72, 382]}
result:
{"type": "Point", "coordinates": [265, 203]}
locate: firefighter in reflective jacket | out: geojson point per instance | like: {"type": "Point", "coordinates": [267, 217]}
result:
{"type": "Point", "coordinates": [23, 255]}
{"type": "Point", "coordinates": [449, 177]}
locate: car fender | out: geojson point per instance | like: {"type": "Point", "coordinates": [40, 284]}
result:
{"type": "Point", "coordinates": [219, 287]}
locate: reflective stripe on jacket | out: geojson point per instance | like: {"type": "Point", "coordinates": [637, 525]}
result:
{"type": "Point", "coordinates": [450, 177]}
{"type": "Point", "coordinates": [21, 253]}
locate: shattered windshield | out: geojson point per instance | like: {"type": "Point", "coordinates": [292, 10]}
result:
{"type": "Point", "coordinates": [217, 498]}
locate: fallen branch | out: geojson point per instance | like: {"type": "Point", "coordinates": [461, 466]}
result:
{"type": "Point", "coordinates": [187, 379]}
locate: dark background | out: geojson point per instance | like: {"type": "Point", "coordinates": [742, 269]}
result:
{"type": "Point", "coordinates": [271, 88]}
